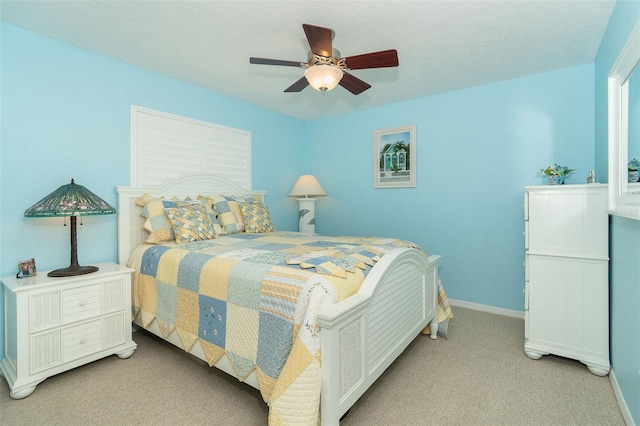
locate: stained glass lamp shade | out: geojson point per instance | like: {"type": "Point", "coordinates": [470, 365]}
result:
{"type": "Point", "coordinates": [71, 200]}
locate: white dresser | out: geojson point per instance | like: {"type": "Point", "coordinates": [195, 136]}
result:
{"type": "Point", "coordinates": [567, 273]}
{"type": "Point", "coordinates": [56, 324]}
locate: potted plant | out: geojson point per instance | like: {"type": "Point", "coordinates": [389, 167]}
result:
{"type": "Point", "coordinates": [633, 167]}
{"type": "Point", "coordinates": [557, 173]}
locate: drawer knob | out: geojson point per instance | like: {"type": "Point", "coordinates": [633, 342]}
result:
{"type": "Point", "coordinates": [83, 340]}
{"type": "Point", "coordinates": [82, 302]}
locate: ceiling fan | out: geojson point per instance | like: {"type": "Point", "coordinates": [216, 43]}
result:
{"type": "Point", "coordinates": [325, 69]}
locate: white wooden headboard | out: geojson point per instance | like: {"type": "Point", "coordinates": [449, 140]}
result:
{"type": "Point", "coordinates": [130, 231]}
{"type": "Point", "coordinates": [165, 146]}
{"type": "Point", "coordinates": [175, 156]}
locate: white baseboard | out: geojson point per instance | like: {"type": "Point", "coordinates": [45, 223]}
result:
{"type": "Point", "coordinates": [626, 414]}
{"type": "Point", "coordinates": [487, 308]}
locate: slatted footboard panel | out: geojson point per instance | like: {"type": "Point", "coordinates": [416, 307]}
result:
{"type": "Point", "coordinates": [394, 313]}
{"type": "Point", "coordinates": [364, 334]}
{"type": "Point", "coordinates": [350, 348]}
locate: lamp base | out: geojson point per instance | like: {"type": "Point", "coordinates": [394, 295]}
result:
{"type": "Point", "coordinates": [72, 271]}
{"type": "Point", "coordinates": [307, 215]}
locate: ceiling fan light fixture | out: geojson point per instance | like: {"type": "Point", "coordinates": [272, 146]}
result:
{"type": "Point", "coordinates": [323, 77]}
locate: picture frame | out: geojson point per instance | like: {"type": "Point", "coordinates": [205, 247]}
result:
{"type": "Point", "coordinates": [27, 268]}
{"type": "Point", "coordinates": [394, 157]}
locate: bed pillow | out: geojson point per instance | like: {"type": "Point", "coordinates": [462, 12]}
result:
{"type": "Point", "coordinates": [144, 199]}
{"type": "Point", "coordinates": [213, 215]}
{"type": "Point", "coordinates": [229, 211]}
{"type": "Point", "coordinates": [257, 218]}
{"type": "Point", "coordinates": [156, 223]}
{"type": "Point", "coordinates": [190, 222]}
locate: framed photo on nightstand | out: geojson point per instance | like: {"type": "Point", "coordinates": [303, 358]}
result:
{"type": "Point", "coordinates": [27, 268]}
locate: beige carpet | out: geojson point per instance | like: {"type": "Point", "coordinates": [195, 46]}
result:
{"type": "Point", "coordinates": [479, 376]}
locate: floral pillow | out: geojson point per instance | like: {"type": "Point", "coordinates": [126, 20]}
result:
{"type": "Point", "coordinates": [190, 222]}
{"type": "Point", "coordinates": [257, 218]}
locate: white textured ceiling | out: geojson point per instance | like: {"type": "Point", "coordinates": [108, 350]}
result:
{"type": "Point", "coordinates": [442, 45]}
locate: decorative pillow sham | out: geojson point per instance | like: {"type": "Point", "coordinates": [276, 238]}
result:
{"type": "Point", "coordinates": [190, 222]}
{"type": "Point", "coordinates": [157, 223]}
{"type": "Point", "coordinates": [257, 218]}
{"type": "Point", "coordinates": [213, 215]}
{"type": "Point", "coordinates": [144, 199]}
{"type": "Point", "coordinates": [229, 211]}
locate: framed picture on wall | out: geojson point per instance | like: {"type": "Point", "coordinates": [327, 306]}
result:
{"type": "Point", "coordinates": [394, 157]}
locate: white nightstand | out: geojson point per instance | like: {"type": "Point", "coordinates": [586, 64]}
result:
{"type": "Point", "coordinates": [56, 324]}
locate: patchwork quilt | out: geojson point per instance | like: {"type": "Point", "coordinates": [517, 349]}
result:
{"type": "Point", "coordinates": [255, 299]}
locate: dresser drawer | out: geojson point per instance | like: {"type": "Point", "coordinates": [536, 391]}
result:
{"type": "Point", "coordinates": [80, 303]}
{"type": "Point", "coordinates": [81, 340]}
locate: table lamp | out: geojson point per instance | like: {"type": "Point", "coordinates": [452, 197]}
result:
{"type": "Point", "coordinates": [305, 187]}
{"type": "Point", "coordinates": [71, 200]}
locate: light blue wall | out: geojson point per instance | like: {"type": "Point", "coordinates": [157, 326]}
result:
{"type": "Point", "coordinates": [65, 114]}
{"type": "Point", "coordinates": [624, 233]}
{"type": "Point", "coordinates": [476, 151]}
{"type": "Point", "coordinates": [625, 309]}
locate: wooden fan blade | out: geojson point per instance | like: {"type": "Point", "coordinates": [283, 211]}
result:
{"type": "Point", "coordinates": [319, 39]}
{"type": "Point", "coordinates": [353, 84]}
{"type": "Point", "coordinates": [298, 86]}
{"type": "Point", "coordinates": [382, 59]}
{"type": "Point", "coordinates": [263, 61]}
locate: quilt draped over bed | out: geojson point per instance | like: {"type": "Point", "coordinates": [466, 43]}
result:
{"type": "Point", "coordinates": [255, 298]}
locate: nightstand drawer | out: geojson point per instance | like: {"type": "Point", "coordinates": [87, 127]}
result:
{"type": "Point", "coordinates": [81, 340]}
{"type": "Point", "coordinates": [80, 303]}
{"type": "Point", "coordinates": [75, 304]}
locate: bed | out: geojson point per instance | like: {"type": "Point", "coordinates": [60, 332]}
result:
{"type": "Point", "coordinates": [399, 297]}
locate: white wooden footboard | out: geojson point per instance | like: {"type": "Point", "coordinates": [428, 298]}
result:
{"type": "Point", "coordinates": [362, 335]}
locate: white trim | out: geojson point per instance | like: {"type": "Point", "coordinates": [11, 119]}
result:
{"type": "Point", "coordinates": [487, 308]}
{"type": "Point", "coordinates": [622, 201]}
{"type": "Point", "coordinates": [624, 409]}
